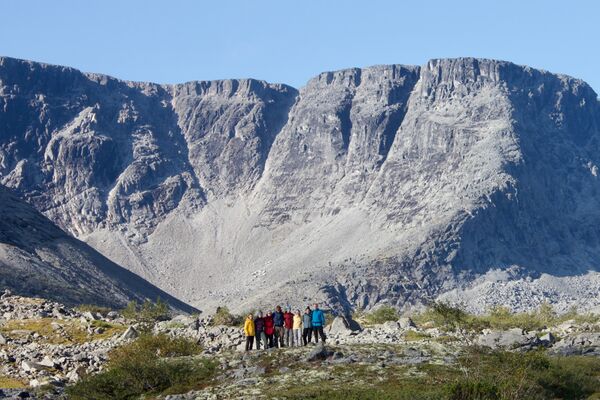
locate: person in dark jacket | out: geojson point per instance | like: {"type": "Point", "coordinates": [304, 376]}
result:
{"type": "Point", "coordinates": [288, 325]}
{"type": "Point", "coordinates": [259, 327]}
{"type": "Point", "coordinates": [318, 323]}
{"type": "Point", "coordinates": [269, 330]}
{"type": "Point", "coordinates": [306, 326]}
{"type": "Point", "coordinates": [278, 321]}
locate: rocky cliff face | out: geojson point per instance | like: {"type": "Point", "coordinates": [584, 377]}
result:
{"type": "Point", "coordinates": [393, 183]}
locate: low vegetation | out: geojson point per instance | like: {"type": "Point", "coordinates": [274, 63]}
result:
{"type": "Point", "coordinates": [478, 375]}
{"type": "Point", "coordinates": [56, 331]}
{"type": "Point", "coordinates": [452, 317]}
{"type": "Point", "coordinates": [377, 316]}
{"type": "Point", "coordinates": [11, 383]}
{"type": "Point", "coordinates": [224, 317]}
{"type": "Point", "coordinates": [151, 365]}
{"type": "Point", "coordinates": [147, 312]}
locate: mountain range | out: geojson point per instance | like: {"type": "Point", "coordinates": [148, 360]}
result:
{"type": "Point", "coordinates": [469, 179]}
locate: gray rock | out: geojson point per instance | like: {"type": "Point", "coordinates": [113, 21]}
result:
{"type": "Point", "coordinates": [129, 334]}
{"type": "Point", "coordinates": [29, 366]}
{"type": "Point", "coordinates": [320, 352]}
{"type": "Point", "coordinates": [547, 339]}
{"type": "Point", "coordinates": [339, 326]}
{"type": "Point", "coordinates": [406, 323]}
{"type": "Point", "coordinates": [510, 339]}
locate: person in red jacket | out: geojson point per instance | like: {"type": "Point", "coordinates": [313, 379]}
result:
{"type": "Point", "coordinates": [288, 324]}
{"type": "Point", "coordinates": [269, 330]}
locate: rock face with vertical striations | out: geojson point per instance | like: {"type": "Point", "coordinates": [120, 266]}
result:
{"type": "Point", "coordinates": [464, 178]}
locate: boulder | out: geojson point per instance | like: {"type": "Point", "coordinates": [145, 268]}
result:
{"type": "Point", "coordinates": [510, 339]}
{"type": "Point", "coordinates": [2, 340]}
{"type": "Point", "coordinates": [30, 366]}
{"type": "Point", "coordinates": [112, 315]}
{"type": "Point", "coordinates": [130, 333]}
{"type": "Point", "coordinates": [548, 339]}
{"type": "Point", "coordinates": [390, 326]}
{"type": "Point", "coordinates": [320, 352]}
{"type": "Point", "coordinates": [48, 362]}
{"type": "Point", "coordinates": [406, 323]}
{"type": "Point", "coordinates": [339, 326]}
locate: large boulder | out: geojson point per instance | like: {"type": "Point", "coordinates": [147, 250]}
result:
{"type": "Point", "coordinates": [319, 353]}
{"type": "Point", "coordinates": [511, 339]}
{"type": "Point", "coordinates": [130, 333]}
{"type": "Point", "coordinates": [342, 326]}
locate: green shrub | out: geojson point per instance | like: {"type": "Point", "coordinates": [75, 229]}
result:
{"type": "Point", "coordinates": [148, 312]}
{"type": "Point", "coordinates": [443, 315]}
{"type": "Point", "coordinates": [472, 390]}
{"type": "Point", "coordinates": [223, 317]}
{"type": "Point", "coordinates": [147, 366]}
{"type": "Point", "coordinates": [380, 315]}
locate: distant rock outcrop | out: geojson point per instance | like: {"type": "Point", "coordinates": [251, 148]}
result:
{"type": "Point", "coordinates": [38, 258]}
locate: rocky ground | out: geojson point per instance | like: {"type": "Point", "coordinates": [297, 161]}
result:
{"type": "Point", "coordinates": [45, 346]}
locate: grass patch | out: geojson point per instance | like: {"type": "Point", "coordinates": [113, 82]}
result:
{"type": "Point", "coordinates": [413, 336]}
{"type": "Point", "coordinates": [72, 332]}
{"type": "Point", "coordinates": [7, 382]}
{"type": "Point", "coordinates": [151, 365]}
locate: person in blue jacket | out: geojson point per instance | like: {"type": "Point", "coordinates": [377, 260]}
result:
{"type": "Point", "coordinates": [318, 323]}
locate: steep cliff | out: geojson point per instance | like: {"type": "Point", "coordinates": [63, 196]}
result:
{"type": "Point", "coordinates": [389, 183]}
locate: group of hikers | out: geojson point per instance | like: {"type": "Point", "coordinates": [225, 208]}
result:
{"type": "Point", "coordinates": [284, 328]}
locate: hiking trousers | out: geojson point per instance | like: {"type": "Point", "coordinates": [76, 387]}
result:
{"type": "Point", "coordinates": [249, 342]}
{"type": "Point", "coordinates": [297, 335]}
{"type": "Point", "coordinates": [307, 335]}
{"type": "Point", "coordinates": [318, 331]}
{"type": "Point", "coordinates": [289, 337]}
{"type": "Point", "coordinates": [261, 338]}
{"type": "Point", "coordinates": [279, 333]}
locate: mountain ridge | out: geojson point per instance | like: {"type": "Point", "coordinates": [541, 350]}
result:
{"type": "Point", "coordinates": [386, 169]}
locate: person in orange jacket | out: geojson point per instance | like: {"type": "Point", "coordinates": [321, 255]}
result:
{"type": "Point", "coordinates": [249, 332]}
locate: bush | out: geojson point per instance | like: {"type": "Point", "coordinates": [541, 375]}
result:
{"type": "Point", "coordinates": [147, 313]}
{"type": "Point", "coordinates": [223, 317]}
{"type": "Point", "coordinates": [380, 315]}
{"type": "Point", "coordinates": [444, 315]}
{"type": "Point", "coordinates": [147, 366]}
{"type": "Point", "coordinates": [472, 390]}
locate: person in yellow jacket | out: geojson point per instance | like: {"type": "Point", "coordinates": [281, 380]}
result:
{"type": "Point", "coordinates": [249, 332]}
{"type": "Point", "coordinates": [297, 328]}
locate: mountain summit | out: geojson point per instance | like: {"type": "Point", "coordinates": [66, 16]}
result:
{"type": "Point", "coordinates": [468, 178]}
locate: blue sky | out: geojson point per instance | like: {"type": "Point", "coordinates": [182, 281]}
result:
{"type": "Point", "coordinates": [290, 41]}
